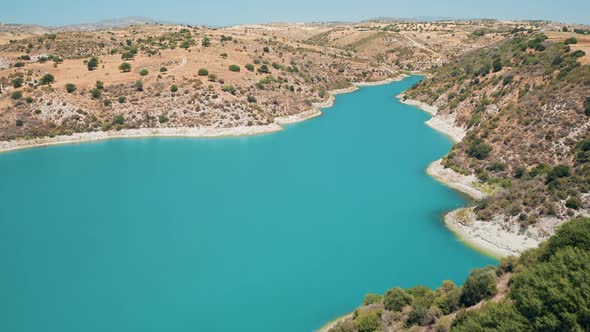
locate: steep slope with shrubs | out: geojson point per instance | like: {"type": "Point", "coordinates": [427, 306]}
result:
{"type": "Point", "coordinates": [546, 289]}
{"type": "Point", "coordinates": [525, 105]}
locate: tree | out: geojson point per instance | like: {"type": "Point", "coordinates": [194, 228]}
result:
{"type": "Point", "coordinates": [206, 42]}
{"type": "Point", "coordinates": [125, 67]}
{"type": "Point", "coordinates": [480, 285]}
{"type": "Point", "coordinates": [144, 72]}
{"type": "Point", "coordinates": [264, 69]}
{"type": "Point", "coordinates": [46, 79]}
{"type": "Point", "coordinates": [119, 120]}
{"type": "Point", "coordinates": [492, 317]}
{"type": "Point", "coordinates": [234, 68]}
{"type": "Point", "coordinates": [203, 72]}
{"type": "Point", "coordinates": [18, 82]}
{"type": "Point", "coordinates": [479, 150]}
{"type": "Point", "coordinates": [173, 88]}
{"type": "Point", "coordinates": [396, 299]}
{"type": "Point", "coordinates": [71, 87]}
{"type": "Point", "coordinates": [16, 95]}
{"type": "Point", "coordinates": [497, 65]}
{"type": "Point", "coordinates": [564, 29]}
{"type": "Point", "coordinates": [553, 295]}
{"type": "Point", "coordinates": [250, 67]}
{"type": "Point", "coordinates": [571, 41]}
{"type": "Point", "coordinates": [92, 63]}
{"type": "Point", "coordinates": [127, 56]}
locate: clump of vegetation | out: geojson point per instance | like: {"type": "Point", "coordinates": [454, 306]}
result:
{"type": "Point", "coordinates": [92, 63]}
{"type": "Point", "coordinates": [71, 87]}
{"type": "Point", "coordinates": [173, 88]}
{"type": "Point", "coordinates": [546, 291]}
{"type": "Point", "coordinates": [144, 72]}
{"type": "Point", "coordinates": [46, 79]}
{"type": "Point", "coordinates": [234, 68]}
{"type": "Point", "coordinates": [203, 72]}
{"type": "Point", "coordinates": [125, 67]}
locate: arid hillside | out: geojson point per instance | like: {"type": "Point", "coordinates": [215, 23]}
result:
{"type": "Point", "coordinates": [525, 104]}
{"type": "Point", "coordinates": [64, 81]}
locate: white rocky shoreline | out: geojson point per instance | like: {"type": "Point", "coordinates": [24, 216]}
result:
{"type": "Point", "coordinates": [497, 238]}
{"type": "Point", "coordinates": [189, 132]}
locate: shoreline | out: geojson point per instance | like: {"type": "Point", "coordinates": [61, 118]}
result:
{"type": "Point", "coordinates": [189, 132]}
{"type": "Point", "coordinates": [495, 238]}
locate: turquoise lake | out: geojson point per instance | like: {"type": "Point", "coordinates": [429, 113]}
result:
{"type": "Point", "coordinates": [280, 232]}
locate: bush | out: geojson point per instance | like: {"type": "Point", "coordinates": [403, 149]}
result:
{"type": "Point", "coordinates": [163, 70]}
{"type": "Point", "coordinates": [266, 49]}
{"type": "Point", "coordinates": [119, 120]}
{"type": "Point", "coordinates": [46, 79]}
{"type": "Point", "coordinates": [92, 63]}
{"type": "Point", "coordinates": [587, 106]}
{"type": "Point", "coordinates": [492, 317]}
{"type": "Point", "coordinates": [122, 100]}
{"type": "Point", "coordinates": [234, 68]}
{"type": "Point", "coordinates": [173, 88]}
{"type": "Point", "coordinates": [212, 77]}
{"type": "Point", "coordinates": [571, 41]}
{"type": "Point", "coordinates": [575, 233]}
{"type": "Point", "coordinates": [18, 82]}
{"type": "Point", "coordinates": [19, 123]}
{"type": "Point", "coordinates": [558, 172]}
{"type": "Point", "coordinates": [127, 56]}
{"type": "Point", "coordinates": [206, 42]}
{"type": "Point", "coordinates": [139, 85]}
{"type": "Point", "coordinates": [71, 87]}
{"type": "Point", "coordinates": [29, 100]}
{"type": "Point", "coordinates": [162, 118]}
{"type": "Point", "coordinates": [252, 99]}
{"type": "Point", "coordinates": [553, 295]}
{"type": "Point", "coordinates": [479, 150]}
{"type": "Point", "coordinates": [125, 67]}
{"type": "Point", "coordinates": [507, 79]}
{"type": "Point", "coordinates": [144, 72]}
{"type": "Point", "coordinates": [264, 69]}
{"type": "Point", "coordinates": [100, 85]}
{"type": "Point", "coordinates": [228, 88]}
{"type": "Point", "coordinates": [396, 299]}
{"type": "Point", "coordinates": [573, 203]}
{"type": "Point", "coordinates": [480, 285]}
{"type": "Point", "coordinates": [16, 95]}
{"type": "Point", "coordinates": [372, 299]}
{"type": "Point", "coordinates": [249, 67]}
{"type": "Point", "coordinates": [368, 320]}
{"type": "Point", "coordinates": [96, 93]}
{"type": "Point", "coordinates": [19, 64]}
{"type": "Point", "coordinates": [203, 72]}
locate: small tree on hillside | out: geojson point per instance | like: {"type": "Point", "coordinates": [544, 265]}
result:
{"type": "Point", "coordinates": [92, 63]}
{"type": "Point", "coordinates": [125, 67]}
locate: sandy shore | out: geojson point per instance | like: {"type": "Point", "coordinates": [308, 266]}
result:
{"type": "Point", "coordinates": [498, 238]}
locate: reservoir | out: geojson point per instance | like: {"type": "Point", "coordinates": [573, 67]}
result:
{"type": "Point", "coordinates": [279, 232]}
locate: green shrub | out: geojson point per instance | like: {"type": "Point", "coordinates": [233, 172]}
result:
{"type": "Point", "coordinates": [587, 106]}
{"type": "Point", "coordinates": [480, 285]}
{"type": "Point", "coordinates": [96, 93]}
{"type": "Point", "coordinates": [252, 99]}
{"type": "Point", "coordinates": [234, 68]}
{"type": "Point", "coordinates": [372, 299]}
{"type": "Point", "coordinates": [29, 100]}
{"type": "Point", "coordinates": [173, 88]}
{"type": "Point", "coordinates": [122, 100]}
{"type": "Point", "coordinates": [492, 317]}
{"type": "Point", "coordinates": [125, 67]}
{"type": "Point", "coordinates": [71, 87]}
{"type": "Point", "coordinates": [479, 150]}
{"type": "Point", "coordinates": [46, 79]}
{"type": "Point", "coordinates": [368, 320]}
{"type": "Point", "coordinates": [16, 95]}
{"type": "Point", "coordinates": [249, 67]}
{"type": "Point", "coordinates": [163, 70]}
{"type": "Point", "coordinates": [144, 72]}
{"type": "Point", "coordinates": [119, 120]}
{"type": "Point", "coordinates": [396, 299]}
{"type": "Point", "coordinates": [203, 72]}
{"type": "Point", "coordinates": [573, 203]}
{"type": "Point", "coordinates": [92, 63]}
{"type": "Point", "coordinates": [18, 82]}
{"type": "Point", "coordinates": [571, 41]}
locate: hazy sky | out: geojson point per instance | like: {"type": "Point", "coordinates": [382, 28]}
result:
{"type": "Point", "coordinates": [227, 12]}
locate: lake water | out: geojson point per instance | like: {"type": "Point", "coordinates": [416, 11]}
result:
{"type": "Point", "coordinates": [281, 232]}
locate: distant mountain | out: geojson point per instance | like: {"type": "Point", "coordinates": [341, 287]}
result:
{"type": "Point", "coordinates": [110, 24]}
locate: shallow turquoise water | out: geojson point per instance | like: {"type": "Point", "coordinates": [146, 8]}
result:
{"type": "Point", "coordinates": [281, 232]}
